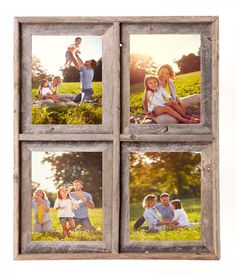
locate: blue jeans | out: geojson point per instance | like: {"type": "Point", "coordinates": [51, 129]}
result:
{"type": "Point", "coordinates": [85, 94]}
{"type": "Point", "coordinates": [84, 222]}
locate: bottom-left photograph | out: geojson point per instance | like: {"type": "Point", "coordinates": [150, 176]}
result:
{"type": "Point", "coordinates": [66, 196]}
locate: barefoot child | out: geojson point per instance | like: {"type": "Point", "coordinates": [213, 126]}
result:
{"type": "Point", "coordinates": [41, 205]}
{"type": "Point", "coordinates": [44, 91]}
{"type": "Point", "coordinates": [65, 205]}
{"type": "Point", "coordinates": [150, 214]}
{"type": "Point", "coordinates": [154, 102]}
{"type": "Point", "coordinates": [72, 53]}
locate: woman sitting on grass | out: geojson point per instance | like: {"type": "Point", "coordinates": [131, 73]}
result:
{"type": "Point", "coordinates": [154, 103]}
{"type": "Point", "coordinates": [150, 214]}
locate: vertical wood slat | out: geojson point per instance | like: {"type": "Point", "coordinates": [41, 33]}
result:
{"type": "Point", "coordinates": [116, 141]}
{"type": "Point", "coordinates": [16, 185]}
{"type": "Point", "coordinates": [215, 142]}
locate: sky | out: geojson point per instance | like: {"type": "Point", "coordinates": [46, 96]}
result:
{"type": "Point", "coordinates": [42, 173]}
{"type": "Point", "coordinates": [51, 50]}
{"type": "Point", "coordinates": [164, 49]}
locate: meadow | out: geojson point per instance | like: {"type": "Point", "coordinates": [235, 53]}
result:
{"type": "Point", "coordinates": [185, 84]}
{"type": "Point", "coordinates": [62, 113]}
{"type": "Point", "coordinates": [95, 216]}
{"type": "Point", "coordinates": [193, 209]}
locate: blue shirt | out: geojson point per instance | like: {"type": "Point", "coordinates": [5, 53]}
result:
{"type": "Point", "coordinates": [86, 77]}
{"type": "Point", "coordinates": [167, 213]}
{"type": "Point", "coordinates": [82, 210]}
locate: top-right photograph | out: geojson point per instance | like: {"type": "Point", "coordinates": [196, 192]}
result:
{"type": "Point", "coordinates": [165, 78]}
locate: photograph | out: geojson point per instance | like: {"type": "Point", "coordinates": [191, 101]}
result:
{"type": "Point", "coordinates": [66, 80]}
{"type": "Point", "coordinates": [66, 196]}
{"type": "Point", "coordinates": [165, 196]}
{"type": "Point", "coordinates": [165, 78]}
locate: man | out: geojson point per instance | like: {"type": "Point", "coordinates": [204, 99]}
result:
{"type": "Point", "coordinates": [86, 77]}
{"type": "Point", "coordinates": [164, 208]}
{"type": "Point", "coordinates": [81, 213]}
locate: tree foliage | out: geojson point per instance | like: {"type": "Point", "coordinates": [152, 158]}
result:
{"type": "Point", "coordinates": [98, 71]}
{"type": "Point", "coordinates": [177, 173]}
{"type": "Point", "coordinates": [141, 65]}
{"type": "Point", "coordinates": [86, 166]}
{"type": "Point", "coordinates": [38, 72]}
{"type": "Point", "coordinates": [189, 63]}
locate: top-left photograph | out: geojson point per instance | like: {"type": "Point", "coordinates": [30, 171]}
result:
{"type": "Point", "coordinates": [66, 79]}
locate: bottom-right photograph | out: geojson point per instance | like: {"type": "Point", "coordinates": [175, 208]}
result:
{"type": "Point", "coordinates": [165, 196]}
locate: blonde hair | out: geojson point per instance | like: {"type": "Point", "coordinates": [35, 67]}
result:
{"type": "Point", "coordinates": [59, 190]}
{"type": "Point", "coordinates": [148, 200]}
{"type": "Point", "coordinates": [169, 68]}
{"type": "Point", "coordinates": [146, 100]}
{"type": "Point", "coordinates": [43, 192]}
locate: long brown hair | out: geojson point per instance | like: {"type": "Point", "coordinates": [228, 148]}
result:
{"type": "Point", "coordinates": [146, 88]}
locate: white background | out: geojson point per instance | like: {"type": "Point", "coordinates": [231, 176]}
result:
{"type": "Point", "coordinates": [226, 9]}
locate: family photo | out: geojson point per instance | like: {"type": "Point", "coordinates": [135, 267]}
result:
{"type": "Point", "coordinates": [66, 196]}
{"type": "Point", "coordinates": [165, 196]}
{"type": "Point", "coordinates": [165, 79]}
{"type": "Point", "coordinates": [66, 80]}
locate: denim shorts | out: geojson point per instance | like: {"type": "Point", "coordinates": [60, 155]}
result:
{"type": "Point", "coordinates": [65, 219]}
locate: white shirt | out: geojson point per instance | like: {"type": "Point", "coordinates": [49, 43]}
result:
{"type": "Point", "coordinates": [181, 217]}
{"type": "Point", "coordinates": [156, 98]}
{"type": "Point", "coordinates": [45, 91]}
{"type": "Point", "coordinates": [151, 218]}
{"type": "Point", "coordinates": [65, 207]}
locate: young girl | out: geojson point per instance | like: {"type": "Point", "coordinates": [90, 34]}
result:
{"type": "Point", "coordinates": [65, 205]}
{"type": "Point", "coordinates": [180, 217]}
{"type": "Point", "coordinates": [72, 53]}
{"type": "Point", "coordinates": [150, 214]}
{"type": "Point", "coordinates": [44, 91]}
{"type": "Point", "coordinates": [165, 75]}
{"type": "Point", "coordinates": [41, 205]}
{"type": "Point", "coordinates": [154, 103]}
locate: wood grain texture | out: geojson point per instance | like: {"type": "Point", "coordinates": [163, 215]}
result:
{"type": "Point", "coordinates": [29, 247]}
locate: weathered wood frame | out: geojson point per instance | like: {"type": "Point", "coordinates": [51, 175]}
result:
{"type": "Point", "coordinates": [116, 130]}
{"type": "Point", "coordinates": [209, 228]}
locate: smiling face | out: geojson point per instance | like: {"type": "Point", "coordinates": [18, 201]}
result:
{"type": "Point", "coordinates": [39, 194]}
{"type": "Point", "coordinates": [63, 193]}
{"type": "Point", "coordinates": [164, 74]}
{"type": "Point", "coordinates": [165, 200]}
{"type": "Point", "coordinates": [77, 186]}
{"type": "Point", "coordinates": [152, 84]}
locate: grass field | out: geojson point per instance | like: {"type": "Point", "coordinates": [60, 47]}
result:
{"type": "Point", "coordinates": [185, 84]}
{"type": "Point", "coordinates": [95, 216]}
{"type": "Point", "coordinates": [193, 210]}
{"type": "Point", "coordinates": [69, 115]}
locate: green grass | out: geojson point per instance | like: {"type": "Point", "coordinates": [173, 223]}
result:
{"type": "Point", "coordinates": [69, 115]}
{"type": "Point", "coordinates": [193, 210]}
{"type": "Point", "coordinates": [95, 216]}
{"type": "Point", "coordinates": [185, 84]}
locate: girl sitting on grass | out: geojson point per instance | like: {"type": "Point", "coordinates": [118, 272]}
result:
{"type": "Point", "coordinates": [180, 218]}
{"type": "Point", "coordinates": [65, 205]}
{"type": "Point", "coordinates": [154, 103]}
{"type": "Point", "coordinates": [41, 205]}
{"type": "Point", "coordinates": [44, 92]}
{"type": "Point", "coordinates": [150, 214]}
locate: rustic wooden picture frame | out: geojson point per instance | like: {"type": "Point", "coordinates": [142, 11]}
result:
{"type": "Point", "coordinates": [115, 131]}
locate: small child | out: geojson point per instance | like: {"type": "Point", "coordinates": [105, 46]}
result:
{"type": "Point", "coordinates": [65, 205]}
{"type": "Point", "coordinates": [44, 91]}
{"type": "Point", "coordinates": [154, 103]}
{"type": "Point", "coordinates": [72, 53]}
{"type": "Point", "coordinates": [180, 217]}
{"type": "Point", "coordinates": [150, 214]}
{"type": "Point", "coordinates": [41, 205]}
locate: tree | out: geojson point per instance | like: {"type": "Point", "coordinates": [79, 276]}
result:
{"type": "Point", "coordinates": [70, 74]}
{"type": "Point", "coordinates": [189, 63]}
{"type": "Point", "coordinates": [177, 173]}
{"type": "Point", "coordinates": [140, 65]}
{"type": "Point", "coordinates": [98, 71]}
{"type": "Point", "coordinates": [38, 72]}
{"type": "Point", "coordinates": [86, 166]}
